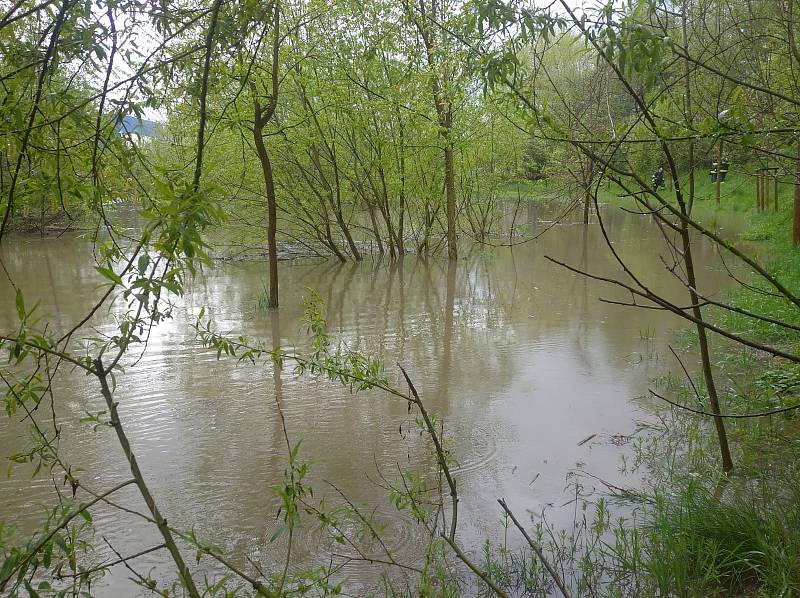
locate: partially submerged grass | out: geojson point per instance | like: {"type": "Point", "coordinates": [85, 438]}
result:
{"type": "Point", "coordinates": [699, 545]}
{"type": "Point", "coordinates": [683, 539]}
{"type": "Point", "coordinates": [262, 301]}
{"type": "Point", "coordinates": [743, 539]}
{"type": "Point", "coordinates": [695, 532]}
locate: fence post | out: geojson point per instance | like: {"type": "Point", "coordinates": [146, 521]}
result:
{"type": "Point", "coordinates": [719, 170]}
{"type": "Point", "coordinates": [796, 216]}
{"type": "Point", "coordinates": [758, 190]}
{"type": "Point", "coordinates": [776, 189]}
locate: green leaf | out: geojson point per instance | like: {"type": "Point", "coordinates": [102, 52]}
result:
{"type": "Point", "coordinates": [278, 533]}
{"type": "Point", "coordinates": [109, 274]}
{"type": "Point", "coordinates": [20, 305]}
{"type": "Point", "coordinates": [61, 543]}
{"type": "Point", "coordinates": [143, 262]}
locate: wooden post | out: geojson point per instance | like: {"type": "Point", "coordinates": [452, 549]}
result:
{"type": "Point", "coordinates": [767, 176]}
{"type": "Point", "coordinates": [776, 189]}
{"type": "Point", "coordinates": [758, 190]}
{"type": "Point", "coordinates": [718, 169]}
{"type": "Point", "coordinates": [796, 217]}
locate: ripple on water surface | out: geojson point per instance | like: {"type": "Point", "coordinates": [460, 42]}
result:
{"type": "Point", "coordinates": [518, 373]}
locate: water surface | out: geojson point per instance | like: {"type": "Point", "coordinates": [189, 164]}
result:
{"type": "Point", "coordinates": [516, 354]}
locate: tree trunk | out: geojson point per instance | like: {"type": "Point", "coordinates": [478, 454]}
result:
{"type": "Point", "coordinates": [375, 230]}
{"type": "Point", "coordinates": [450, 192]}
{"type": "Point", "coordinates": [401, 218]}
{"type": "Point", "coordinates": [272, 216]}
{"type": "Point", "coordinates": [329, 241]}
{"type": "Point", "coordinates": [705, 357]}
{"type": "Point", "coordinates": [444, 113]}
{"type": "Point", "coordinates": [262, 117]}
{"type": "Point", "coordinates": [348, 237]}
{"type": "Point", "coordinates": [688, 108]}
{"type": "Point", "coordinates": [337, 205]}
{"type": "Point", "coordinates": [386, 213]}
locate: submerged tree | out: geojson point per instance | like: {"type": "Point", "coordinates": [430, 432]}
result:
{"type": "Point", "coordinates": [261, 116]}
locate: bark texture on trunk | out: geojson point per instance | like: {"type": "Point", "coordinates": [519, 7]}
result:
{"type": "Point", "coordinates": [705, 355]}
{"type": "Point", "coordinates": [272, 215]}
{"type": "Point", "coordinates": [261, 117]}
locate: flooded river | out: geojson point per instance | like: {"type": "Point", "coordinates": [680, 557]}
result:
{"type": "Point", "coordinates": [517, 356]}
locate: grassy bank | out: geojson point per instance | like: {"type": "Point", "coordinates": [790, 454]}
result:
{"type": "Point", "coordinates": [695, 532]}
{"type": "Point", "coordinates": [736, 535]}
{"type": "Point", "coordinates": [742, 533]}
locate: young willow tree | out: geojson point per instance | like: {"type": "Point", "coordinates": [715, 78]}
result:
{"type": "Point", "coordinates": [261, 116]}
{"type": "Point", "coordinates": [738, 101]}
{"type": "Point", "coordinates": [355, 143]}
{"type": "Point", "coordinates": [447, 80]}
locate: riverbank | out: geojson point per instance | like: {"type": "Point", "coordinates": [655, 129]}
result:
{"type": "Point", "coordinates": [695, 531]}
{"type": "Point", "coordinates": [740, 534]}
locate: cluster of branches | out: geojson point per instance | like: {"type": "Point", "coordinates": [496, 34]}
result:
{"type": "Point", "coordinates": [369, 131]}
{"type": "Point", "coordinates": [683, 100]}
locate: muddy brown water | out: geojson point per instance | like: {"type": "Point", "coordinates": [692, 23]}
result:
{"type": "Point", "coordinates": [516, 355]}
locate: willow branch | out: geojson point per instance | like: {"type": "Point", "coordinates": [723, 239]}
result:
{"type": "Point", "coordinates": [537, 549]}
{"type": "Point", "coordinates": [41, 544]}
{"type": "Point", "coordinates": [161, 523]}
